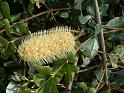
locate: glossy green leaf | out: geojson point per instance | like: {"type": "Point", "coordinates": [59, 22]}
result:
{"type": "Point", "coordinates": [1, 24]}
{"type": "Point", "coordinates": [11, 88]}
{"type": "Point", "coordinates": [90, 10]}
{"type": "Point", "coordinates": [84, 19]}
{"type": "Point", "coordinates": [1, 14]}
{"type": "Point", "coordinates": [41, 77]}
{"type": "Point", "coordinates": [116, 54]}
{"type": "Point", "coordinates": [78, 1]}
{"type": "Point", "coordinates": [12, 49]}
{"type": "Point", "coordinates": [106, 91]}
{"type": "Point", "coordinates": [30, 8]}
{"type": "Point", "coordinates": [119, 82]}
{"type": "Point", "coordinates": [64, 14]}
{"type": "Point", "coordinates": [78, 4]}
{"type": "Point", "coordinates": [87, 47]}
{"type": "Point", "coordinates": [7, 28]}
{"type": "Point", "coordinates": [3, 42]}
{"type": "Point", "coordinates": [83, 85]}
{"type": "Point", "coordinates": [23, 89]}
{"type": "Point", "coordinates": [114, 60]}
{"type": "Point", "coordinates": [103, 9]}
{"type": "Point", "coordinates": [51, 87]}
{"type": "Point", "coordinates": [15, 17]}
{"type": "Point", "coordinates": [116, 22]}
{"type": "Point", "coordinates": [69, 69]}
{"type": "Point", "coordinates": [57, 64]}
{"type": "Point", "coordinates": [6, 10]}
{"type": "Point", "coordinates": [98, 29]}
{"type": "Point", "coordinates": [23, 28]}
{"type": "Point", "coordinates": [2, 72]}
{"type": "Point", "coordinates": [44, 80]}
{"type": "Point", "coordinates": [91, 90]}
{"type": "Point", "coordinates": [38, 2]}
{"type": "Point", "coordinates": [99, 73]}
{"type": "Point", "coordinates": [72, 58]}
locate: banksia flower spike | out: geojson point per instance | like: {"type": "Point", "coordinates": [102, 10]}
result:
{"type": "Point", "coordinates": [48, 45]}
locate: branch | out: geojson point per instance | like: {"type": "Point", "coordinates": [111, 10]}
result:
{"type": "Point", "coordinates": [73, 31]}
{"type": "Point", "coordinates": [90, 68]}
{"type": "Point", "coordinates": [112, 29]}
{"type": "Point", "coordinates": [29, 18]}
{"type": "Point", "coordinates": [51, 77]}
{"type": "Point", "coordinates": [82, 44]}
{"type": "Point", "coordinates": [101, 39]}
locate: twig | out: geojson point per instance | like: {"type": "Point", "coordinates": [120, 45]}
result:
{"type": "Point", "coordinates": [96, 66]}
{"type": "Point", "coordinates": [112, 28]}
{"type": "Point", "coordinates": [101, 52]}
{"type": "Point", "coordinates": [118, 89]}
{"type": "Point", "coordinates": [97, 87]}
{"type": "Point", "coordinates": [82, 44]}
{"type": "Point", "coordinates": [112, 31]}
{"type": "Point", "coordinates": [69, 86]}
{"type": "Point", "coordinates": [101, 39]}
{"type": "Point", "coordinates": [29, 18]}
{"type": "Point", "coordinates": [90, 68]}
{"type": "Point", "coordinates": [75, 31]}
{"type": "Point", "coordinates": [51, 13]}
{"type": "Point", "coordinates": [51, 77]}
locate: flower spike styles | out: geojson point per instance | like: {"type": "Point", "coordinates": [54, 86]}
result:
{"type": "Point", "coordinates": [46, 46]}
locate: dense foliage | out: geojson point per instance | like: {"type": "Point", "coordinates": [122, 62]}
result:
{"type": "Point", "coordinates": [83, 72]}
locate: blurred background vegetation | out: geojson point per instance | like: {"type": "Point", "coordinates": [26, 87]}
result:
{"type": "Point", "coordinates": [19, 18]}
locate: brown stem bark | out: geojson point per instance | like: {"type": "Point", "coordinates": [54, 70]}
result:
{"type": "Point", "coordinates": [101, 38]}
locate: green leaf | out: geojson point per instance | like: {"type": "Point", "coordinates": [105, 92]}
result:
{"type": "Point", "coordinates": [11, 88]}
{"type": "Point", "coordinates": [37, 2]}
{"type": "Point", "coordinates": [15, 17]}
{"type": "Point", "coordinates": [114, 60]}
{"type": "Point", "coordinates": [99, 73]}
{"type": "Point", "coordinates": [116, 54]}
{"type": "Point", "coordinates": [64, 14]}
{"type": "Point", "coordinates": [90, 10]}
{"type": "Point", "coordinates": [6, 10]}
{"type": "Point", "coordinates": [42, 76]}
{"type": "Point", "coordinates": [57, 64]}
{"type": "Point", "coordinates": [103, 9]}
{"type": "Point", "coordinates": [51, 87]}
{"type": "Point", "coordinates": [1, 14]}
{"type": "Point", "coordinates": [44, 80]}
{"type": "Point", "coordinates": [7, 28]}
{"type": "Point", "coordinates": [2, 72]}
{"type": "Point", "coordinates": [3, 42]}
{"type": "Point", "coordinates": [1, 24]}
{"type": "Point", "coordinates": [78, 4]}
{"type": "Point", "coordinates": [118, 82]}
{"type": "Point", "coordinates": [30, 8]}
{"type": "Point", "coordinates": [23, 28]}
{"type": "Point", "coordinates": [106, 91]}
{"type": "Point", "coordinates": [91, 90]}
{"type": "Point", "coordinates": [72, 58]}
{"type": "Point", "coordinates": [84, 86]}
{"type": "Point", "coordinates": [84, 19]}
{"type": "Point", "coordinates": [116, 22]}
{"type": "Point", "coordinates": [78, 1]}
{"type": "Point", "coordinates": [12, 49]}
{"type": "Point", "coordinates": [23, 89]}
{"type": "Point", "coordinates": [98, 29]}
{"type": "Point", "coordinates": [87, 47]}
{"type": "Point", "coordinates": [69, 69]}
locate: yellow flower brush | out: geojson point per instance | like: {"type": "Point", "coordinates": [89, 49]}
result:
{"type": "Point", "coordinates": [48, 45]}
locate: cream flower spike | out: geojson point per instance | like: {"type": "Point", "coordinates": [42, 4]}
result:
{"type": "Point", "coordinates": [46, 46]}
